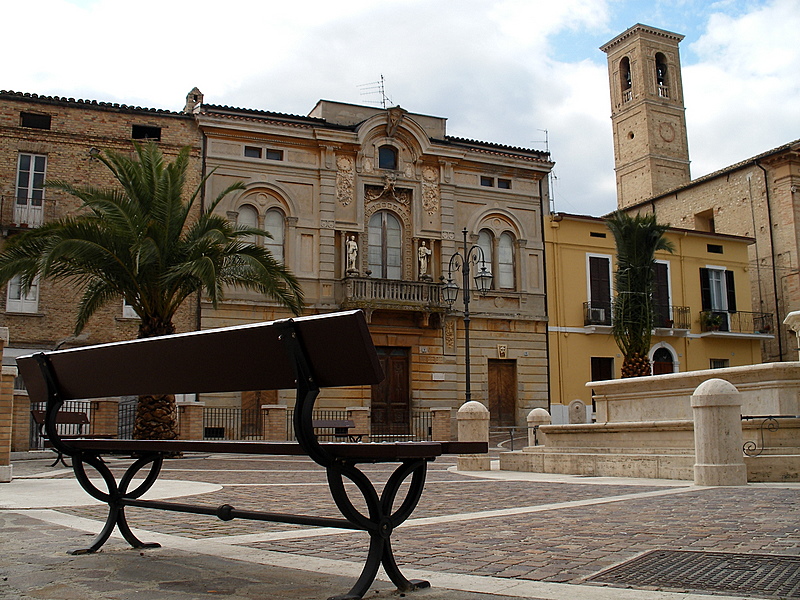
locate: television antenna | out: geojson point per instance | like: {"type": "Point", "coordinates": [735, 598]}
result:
{"type": "Point", "coordinates": [376, 87]}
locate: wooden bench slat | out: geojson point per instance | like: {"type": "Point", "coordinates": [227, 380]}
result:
{"type": "Point", "coordinates": [233, 359]}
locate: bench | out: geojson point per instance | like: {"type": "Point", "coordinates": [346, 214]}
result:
{"type": "Point", "coordinates": [307, 354]}
{"type": "Point", "coordinates": [341, 429]}
{"type": "Point", "coordinates": [65, 417]}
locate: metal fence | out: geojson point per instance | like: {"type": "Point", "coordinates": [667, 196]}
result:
{"type": "Point", "coordinates": [84, 406]}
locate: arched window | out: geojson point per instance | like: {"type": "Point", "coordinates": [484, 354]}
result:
{"type": "Point", "coordinates": [385, 246]}
{"type": "Point", "coordinates": [661, 75]}
{"type": "Point", "coordinates": [273, 223]}
{"type": "Point", "coordinates": [625, 80]}
{"type": "Point", "coordinates": [486, 243]}
{"type": "Point", "coordinates": [248, 217]}
{"type": "Point", "coordinates": [387, 157]}
{"type": "Point", "coordinates": [505, 262]}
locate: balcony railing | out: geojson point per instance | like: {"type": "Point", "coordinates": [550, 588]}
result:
{"type": "Point", "coordinates": [25, 213]}
{"type": "Point", "coordinates": [663, 91]}
{"type": "Point", "coordinates": [597, 313]}
{"type": "Point", "coordinates": [360, 292]}
{"type": "Point", "coordinates": [664, 316]}
{"type": "Point", "coordinates": [736, 322]}
{"type": "Point", "coordinates": [671, 317]}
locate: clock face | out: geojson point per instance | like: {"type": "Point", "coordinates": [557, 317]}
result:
{"type": "Point", "coordinates": [666, 131]}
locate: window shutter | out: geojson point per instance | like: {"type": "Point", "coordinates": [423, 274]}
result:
{"type": "Point", "coordinates": [731, 291]}
{"type": "Point", "coordinates": [705, 289]}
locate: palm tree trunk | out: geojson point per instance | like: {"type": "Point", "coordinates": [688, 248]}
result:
{"type": "Point", "coordinates": [156, 416]}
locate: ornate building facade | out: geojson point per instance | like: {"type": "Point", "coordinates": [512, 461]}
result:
{"type": "Point", "coordinates": [367, 206]}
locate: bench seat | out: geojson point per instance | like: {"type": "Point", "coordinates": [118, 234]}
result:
{"type": "Point", "coordinates": [357, 452]}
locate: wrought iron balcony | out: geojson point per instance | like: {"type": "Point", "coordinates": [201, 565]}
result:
{"type": "Point", "coordinates": [671, 317]}
{"type": "Point", "coordinates": [25, 213]}
{"type": "Point", "coordinates": [596, 313]}
{"type": "Point", "coordinates": [736, 322]}
{"type": "Point", "coordinates": [366, 292]}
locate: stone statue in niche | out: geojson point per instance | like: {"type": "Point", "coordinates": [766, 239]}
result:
{"type": "Point", "coordinates": [423, 252]}
{"type": "Point", "coordinates": [352, 255]}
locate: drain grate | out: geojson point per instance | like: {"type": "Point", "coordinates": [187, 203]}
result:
{"type": "Point", "coordinates": [758, 575]}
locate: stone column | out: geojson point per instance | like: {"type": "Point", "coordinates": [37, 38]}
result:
{"type": "Point", "coordinates": [360, 416]}
{"type": "Point", "coordinates": [536, 418]}
{"type": "Point", "coordinates": [274, 422]}
{"type": "Point", "coordinates": [473, 426]}
{"type": "Point", "coordinates": [190, 420]}
{"type": "Point", "coordinates": [104, 419]}
{"type": "Point", "coordinates": [719, 460]}
{"type": "Point", "coordinates": [6, 410]}
{"type": "Point", "coordinates": [441, 424]}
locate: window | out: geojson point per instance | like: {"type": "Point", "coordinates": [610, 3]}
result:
{"type": "Point", "coordinates": [504, 184]}
{"type": "Point", "coordinates": [273, 223]}
{"type": "Point", "coordinates": [34, 121]}
{"type": "Point", "coordinates": [505, 262]}
{"type": "Point", "coordinates": [714, 248]}
{"type": "Point", "coordinates": [30, 189]}
{"type": "Point", "coordinates": [274, 154]}
{"type": "Point", "coordinates": [385, 246]}
{"type": "Point", "coordinates": [661, 297]}
{"type": "Point", "coordinates": [597, 234]}
{"type": "Point", "coordinates": [146, 132]}
{"type": "Point", "coordinates": [625, 79]}
{"type": "Point", "coordinates": [387, 157]}
{"type": "Point", "coordinates": [487, 181]}
{"type": "Point", "coordinates": [718, 293]}
{"type": "Point", "coordinates": [127, 310]}
{"type": "Point", "coordinates": [252, 152]}
{"type": "Point", "coordinates": [486, 244]}
{"type": "Point", "coordinates": [663, 362]}
{"type": "Point", "coordinates": [248, 217]}
{"type": "Point", "coordinates": [602, 368]}
{"type": "Point", "coordinates": [599, 284]}
{"type": "Point", "coordinates": [17, 301]}
{"type": "Point", "coordinates": [719, 363]}
{"type": "Point", "coordinates": [704, 221]}
{"type": "Point", "coordinates": [661, 75]}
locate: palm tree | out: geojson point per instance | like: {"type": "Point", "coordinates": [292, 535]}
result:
{"type": "Point", "coordinates": [142, 242]}
{"type": "Point", "coordinates": [637, 239]}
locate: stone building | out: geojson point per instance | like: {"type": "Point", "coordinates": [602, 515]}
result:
{"type": "Point", "coordinates": [366, 206]}
{"type": "Point", "coordinates": [581, 262]}
{"type": "Point", "coordinates": [756, 197]}
{"type": "Point", "coordinates": [46, 138]}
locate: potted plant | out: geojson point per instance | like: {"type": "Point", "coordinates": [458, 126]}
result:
{"type": "Point", "coordinates": [710, 321]}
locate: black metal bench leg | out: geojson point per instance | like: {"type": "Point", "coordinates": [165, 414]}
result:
{"type": "Point", "coordinates": [368, 573]}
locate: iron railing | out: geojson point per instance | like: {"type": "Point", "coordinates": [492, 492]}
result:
{"type": "Point", "coordinates": [672, 317]}
{"type": "Point", "coordinates": [736, 322]}
{"type": "Point", "coordinates": [597, 313]}
{"type": "Point", "coordinates": [26, 213]}
{"type": "Point", "coordinates": [35, 438]}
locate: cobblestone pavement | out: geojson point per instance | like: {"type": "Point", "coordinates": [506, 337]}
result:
{"type": "Point", "coordinates": [522, 535]}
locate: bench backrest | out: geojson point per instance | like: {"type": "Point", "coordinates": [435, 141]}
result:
{"type": "Point", "coordinates": [64, 417]}
{"type": "Point", "coordinates": [242, 358]}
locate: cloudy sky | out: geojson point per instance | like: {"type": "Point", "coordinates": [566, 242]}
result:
{"type": "Point", "coordinates": [514, 72]}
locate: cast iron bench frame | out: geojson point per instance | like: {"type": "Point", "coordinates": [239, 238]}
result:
{"type": "Point", "coordinates": [306, 353]}
{"type": "Point", "coordinates": [64, 417]}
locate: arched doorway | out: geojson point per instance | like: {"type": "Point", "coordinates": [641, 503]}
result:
{"type": "Point", "coordinates": [663, 361]}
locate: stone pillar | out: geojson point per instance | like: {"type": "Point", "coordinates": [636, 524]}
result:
{"type": "Point", "coordinates": [6, 411]}
{"type": "Point", "coordinates": [793, 322]}
{"type": "Point", "coordinates": [473, 426]}
{"type": "Point", "coordinates": [441, 424]}
{"type": "Point", "coordinates": [719, 460]}
{"type": "Point", "coordinates": [273, 418]}
{"type": "Point", "coordinates": [190, 420]}
{"type": "Point", "coordinates": [360, 416]}
{"type": "Point", "coordinates": [104, 419]}
{"type": "Point", "coordinates": [536, 418]}
{"type": "Point", "coordinates": [21, 424]}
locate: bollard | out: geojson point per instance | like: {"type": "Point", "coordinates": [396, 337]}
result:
{"type": "Point", "coordinates": [717, 408]}
{"type": "Point", "coordinates": [473, 426]}
{"type": "Point", "coordinates": [536, 418]}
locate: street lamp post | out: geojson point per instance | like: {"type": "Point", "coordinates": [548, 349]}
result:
{"type": "Point", "coordinates": [483, 283]}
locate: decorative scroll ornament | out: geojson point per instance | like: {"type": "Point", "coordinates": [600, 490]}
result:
{"type": "Point", "coordinates": [430, 190]}
{"type": "Point", "coordinates": [345, 180]}
{"type": "Point", "coordinates": [389, 192]}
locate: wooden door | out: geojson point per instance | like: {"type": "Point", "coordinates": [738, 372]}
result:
{"type": "Point", "coordinates": [502, 392]}
{"type": "Point", "coordinates": [391, 400]}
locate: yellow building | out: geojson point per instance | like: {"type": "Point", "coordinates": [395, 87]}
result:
{"type": "Point", "coordinates": [702, 299]}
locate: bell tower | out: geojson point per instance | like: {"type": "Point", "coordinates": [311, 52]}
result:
{"type": "Point", "coordinates": [651, 151]}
